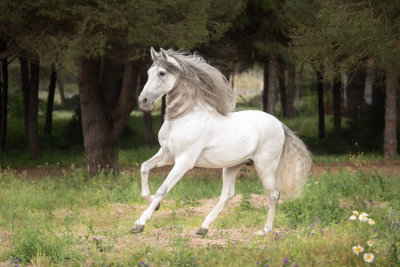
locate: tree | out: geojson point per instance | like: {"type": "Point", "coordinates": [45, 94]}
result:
{"type": "Point", "coordinates": [3, 102]}
{"type": "Point", "coordinates": [50, 101]}
{"type": "Point", "coordinates": [33, 107]}
{"type": "Point", "coordinates": [348, 33]}
{"type": "Point", "coordinates": [109, 39]}
{"type": "Point", "coordinates": [258, 32]}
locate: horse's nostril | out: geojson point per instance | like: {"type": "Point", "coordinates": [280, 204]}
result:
{"type": "Point", "coordinates": [145, 100]}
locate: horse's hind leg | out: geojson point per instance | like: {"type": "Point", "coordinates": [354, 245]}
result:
{"type": "Point", "coordinates": [228, 190]}
{"type": "Point", "coordinates": [267, 176]}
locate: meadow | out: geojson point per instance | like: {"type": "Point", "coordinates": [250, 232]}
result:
{"type": "Point", "coordinates": [52, 213]}
{"type": "Point", "coordinates": [72, 219]}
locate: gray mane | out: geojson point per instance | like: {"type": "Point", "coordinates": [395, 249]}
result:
{"type": "Point", "coordinates": [197, 82]}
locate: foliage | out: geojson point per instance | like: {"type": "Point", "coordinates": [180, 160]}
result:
{"type": "Point", "coordinates": [344, 32]}
{"type": "Point", "coordinates": [62, 30]}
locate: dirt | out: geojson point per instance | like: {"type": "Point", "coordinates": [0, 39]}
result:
{"type": "Point", "coordinates": [387, 167]}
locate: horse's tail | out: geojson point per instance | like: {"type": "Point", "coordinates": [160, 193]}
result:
{"type": "Point", "coordinates": [293, 167]}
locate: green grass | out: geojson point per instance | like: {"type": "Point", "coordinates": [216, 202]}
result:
{"type": "Point", "coordinates": [72, 219]}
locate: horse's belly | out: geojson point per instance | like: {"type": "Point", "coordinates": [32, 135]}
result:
{"type": "Point", "coordinates": [226, 155]}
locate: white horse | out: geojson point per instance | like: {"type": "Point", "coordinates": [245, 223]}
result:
{"type": "Point", "coordinates": [201, 129]}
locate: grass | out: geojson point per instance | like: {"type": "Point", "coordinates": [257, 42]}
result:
{"type": "Point", "coordinates": [72, 219]}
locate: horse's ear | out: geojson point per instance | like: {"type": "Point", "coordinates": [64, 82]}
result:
{"type": "Point", "coordinates": [153, 53]}
{"type": "Point", "coordinates": [164, 54]}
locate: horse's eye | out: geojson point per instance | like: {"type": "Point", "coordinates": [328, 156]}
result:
{"type": "Point", "coordinates": [161, 73]}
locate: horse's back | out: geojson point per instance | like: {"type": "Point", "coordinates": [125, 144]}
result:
{"type": "Point", "coordinates": [239, 137]}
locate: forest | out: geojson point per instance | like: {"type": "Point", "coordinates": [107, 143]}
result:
{"type": "Point", "coordinates": [344, 50]}
{"type": "Point", "coordinates": [72, 136]}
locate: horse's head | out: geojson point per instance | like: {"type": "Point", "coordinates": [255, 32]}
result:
{"type": "Point", "coordinates": [161, 78]}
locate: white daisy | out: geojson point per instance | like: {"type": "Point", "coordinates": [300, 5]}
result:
{"type": "Point", "coordinates": [370, 243]}
{"type": "Point", "coordinates": [369, 257]}
{"type": "Point", "coordinates": [355, 212]}
{"type": "Point", "coordinates": [363, 217]}
{"type": "Point", "coordinates": [358, 249]}
{"type": "Point", "coordinates": [371, 221]}
{"type": "Point", "coordinates": [352, 218]}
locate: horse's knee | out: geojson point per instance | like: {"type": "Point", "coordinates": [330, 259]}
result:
{"type": "Point", "coordinates": [144, 169]}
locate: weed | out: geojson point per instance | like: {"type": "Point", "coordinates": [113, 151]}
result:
{"type": "Point", "coordinates": [33, 242]}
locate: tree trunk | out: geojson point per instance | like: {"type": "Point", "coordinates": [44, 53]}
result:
{"type": "Point", "coordinates": [60, 86]}
{"type": "Point", "coordinates": [148, 126]}
{"type": "Point", "coordinates": [163, 107]}
{"type": "Point", "coordinates": [95, 124]}
{"type": "Point", "coordinates": [148, 119]}
{"type": "Point", "coordinates": [3, 104]}
{"type": "Point", "coordinates": [390, 133]}
{"type": "Point", "coordinates": [33, 109]}
{"type": "Point", "coordinates": [50, 101]}
{"type": "Point", "coordinates": [107, 92]}
{"type": "Point", "coordinates": [265, 90]}
{"type": "Point", "coordinates": [282, 89]}
{"type": "Point", "coordinates": [337, 100]}
{"type": "Point", "coordinates": [321, 113]}
{"type": "Point", "coordinates": [25, 89]}
{"type": "Point", "coordinates": [126, 101]}
{"type": "Point", "coordinates": [272, 75]}
{"type": "Point", "coordinates": [291, 91]}
{"type": "Point", "coordinates": [355, 93]}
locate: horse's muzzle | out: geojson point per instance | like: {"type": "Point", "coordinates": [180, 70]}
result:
{"type": "Point", "coordinates": [145, 104]}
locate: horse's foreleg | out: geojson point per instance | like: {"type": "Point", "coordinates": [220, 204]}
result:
{"type": "Point", "coordinates": [180, 168]}
{"type": "Point", "coordinates": [158, 160]}
{"type": "Point", "coordinates": [228, 190]}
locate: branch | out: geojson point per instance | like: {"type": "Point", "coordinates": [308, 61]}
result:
{"type": "Point", "coordinates": [9, 52]}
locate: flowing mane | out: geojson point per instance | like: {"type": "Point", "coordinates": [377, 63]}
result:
{"type": "Point", "coordinates": [197, 82]}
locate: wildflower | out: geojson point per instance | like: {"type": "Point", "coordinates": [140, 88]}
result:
{"type": "Point", "coordinates": [352, 218]}
{"type": "Point", "coordinates": [370, 243]}
{"type": "Point", "coordinates": [371, 221]}
{"type": "Point", "coordinates": [285, 260]}
{"type": "Point", "coordinates": [355, 212]}
{"type": "Point", "coordinates": [369, 257]}
{"type": "Point", "coordinates": [358, 249]}
{"type": "Point", "coordinates": [363, 217]}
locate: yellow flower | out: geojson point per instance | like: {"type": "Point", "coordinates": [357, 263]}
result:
{"type": "Point", "coordinates": [358, 249]}
{"type": "Point", "coordinates": [369, 257]}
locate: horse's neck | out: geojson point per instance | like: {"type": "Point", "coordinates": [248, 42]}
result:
{"type": "Point", "coordinates": [177, 107]}
{"type": "Point", "coordinates": [176, 110]}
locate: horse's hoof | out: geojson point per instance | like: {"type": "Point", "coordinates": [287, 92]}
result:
{"type": "Point", "coordinates": [158, 206]}
{"type": "Point", "coordinates": [261, 233]}
{"type": "Point", "coordinates": [137, 228]}
{"type": "Point", "coordinates": [202, 231]}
